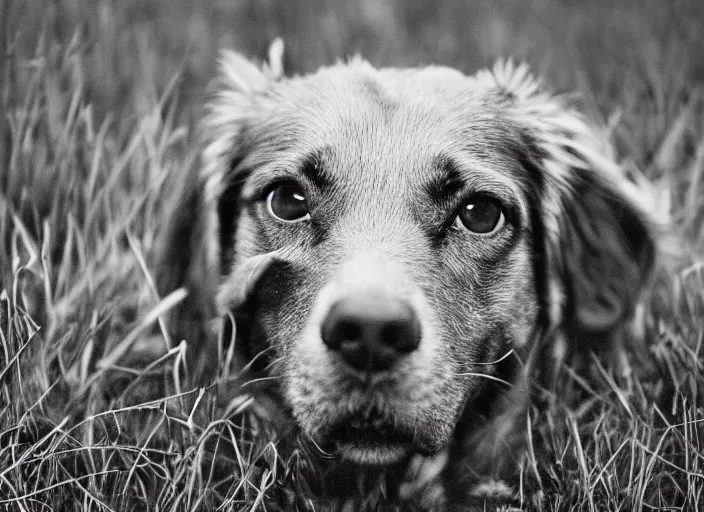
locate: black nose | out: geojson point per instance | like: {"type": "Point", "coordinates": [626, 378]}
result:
{"type": "Point", "coordinates": [370, 332]}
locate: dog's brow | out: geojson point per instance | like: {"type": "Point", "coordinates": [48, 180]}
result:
{"type": "Point", "coordinates": [308, 166]}
{"type": "Point", "coordinates": [448, 182]}
{"type": "Point", "coordinates": [456, 174]}
{"type": "Point", "coordinates": [312, 169]}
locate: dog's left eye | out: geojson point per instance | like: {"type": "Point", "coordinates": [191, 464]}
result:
{"type": "Point", "coordinates": [287, 203]}
{"type": "Point", "coordinates": [480, 214]}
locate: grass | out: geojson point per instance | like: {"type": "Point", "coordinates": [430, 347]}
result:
{"type": "Point", "coordinates": [98, 410]}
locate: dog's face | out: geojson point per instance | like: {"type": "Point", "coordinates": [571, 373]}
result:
{"type": "Point", "coordinates": [386, 235]}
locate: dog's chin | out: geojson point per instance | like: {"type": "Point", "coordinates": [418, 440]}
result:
{"type": "Point", "coordinates": [373, 455]}
{"type": "Point", "coordinates": [372, 442]}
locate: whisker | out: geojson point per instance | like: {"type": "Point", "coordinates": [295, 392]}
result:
{"type": "Point", "coordinates": [249, 364]}
{"type": "Point", "coordinates": [260, 379]}
{"type": "Point", "coordinates": [507, 354]}
{"type": "Point", "coordinates": [486, 376]}
{"type": "Point", "coordinates": [326, 454]}
{"type": "Point", "coordinates": [274, 362]}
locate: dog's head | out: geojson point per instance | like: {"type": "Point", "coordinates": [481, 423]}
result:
{"type": "Point", "coordinates": [385, 235]}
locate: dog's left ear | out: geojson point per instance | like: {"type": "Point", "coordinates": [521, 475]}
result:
{"type": "Point", "coordinates": [604, 254]}
{"type": "Point", "coordinates": [598, 240]}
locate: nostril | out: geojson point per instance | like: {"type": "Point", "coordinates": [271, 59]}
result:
{"type": "Point", "coordinates": [402, 335]}
{"type": "Point", "coordinates": [338, 329]}
{"type": "Point", "coordinates": [348, 331]}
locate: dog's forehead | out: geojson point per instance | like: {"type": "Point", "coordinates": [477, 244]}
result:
{"type": "Point", "coordinates": [394, 86]}
{"type": "Point", "coordinates": [357, 101]}
{"type": "Point", "coordinates": [403, 123]}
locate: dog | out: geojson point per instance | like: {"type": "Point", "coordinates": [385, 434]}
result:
{"type": "Point", "coordinates": [403, 252]}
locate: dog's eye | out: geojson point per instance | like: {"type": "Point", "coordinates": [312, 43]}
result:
{"type": "Point", "coordinates": [287, 202]}
{"type": "Point", "coordinates": [482, 215]}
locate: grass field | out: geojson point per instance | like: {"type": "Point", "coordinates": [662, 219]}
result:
{"type": "Point", "coordinates": [99, 101]}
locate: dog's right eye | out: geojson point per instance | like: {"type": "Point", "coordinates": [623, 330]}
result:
{"type": "Point", "coordinates": [287, 203]}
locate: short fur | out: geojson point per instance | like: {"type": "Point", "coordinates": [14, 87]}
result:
{"type": "Point", "coordinates": [384, 155]}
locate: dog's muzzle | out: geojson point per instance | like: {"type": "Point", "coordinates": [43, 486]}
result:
{"type": "Point", "coordinates": [371, 331]}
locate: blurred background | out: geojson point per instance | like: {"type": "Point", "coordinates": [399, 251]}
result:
{"type": "Point", "coordinates": [623, 53]}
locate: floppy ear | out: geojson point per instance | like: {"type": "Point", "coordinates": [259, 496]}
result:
{"type": "Point", "coordinates": [238, 100]}
{"type": "Point", "coordinates": [599, 241]}
{"type": "Point", "coordinates": [189, 250]}
{"type": "Point", "coordinates": [604, 257]}
{"type": "Point", "coordinates": [594, 243]}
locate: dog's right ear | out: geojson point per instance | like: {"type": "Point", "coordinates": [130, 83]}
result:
{"type": "Point", "coordinates": [189, 250]}
{"type": "Point", "coordinates": [238, 101]}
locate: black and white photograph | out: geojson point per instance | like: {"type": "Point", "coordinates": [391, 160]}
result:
{"type": "Point", "coordinates": [351, 255]}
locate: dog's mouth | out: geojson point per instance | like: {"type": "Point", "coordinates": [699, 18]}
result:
{"type": "Point", "coordinates": [369, 433]}
{"type": "Point", "coordinates": [370, 438]}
